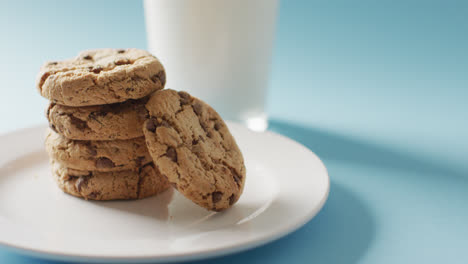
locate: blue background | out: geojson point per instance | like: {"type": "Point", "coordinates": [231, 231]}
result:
{"type": "Point", "coordinates": [378, 89]}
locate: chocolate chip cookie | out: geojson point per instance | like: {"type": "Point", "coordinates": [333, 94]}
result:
{"type": "Point", "coordinates": [193, 148]}
{"type": "Point", "coordinates": [103, 122]}
{"type": "Point", "coordinates": [98, 155]}
{"type": "Point", "coordinates": [128, 184]}
{"type": "Point", "coordinates": [102, 76]}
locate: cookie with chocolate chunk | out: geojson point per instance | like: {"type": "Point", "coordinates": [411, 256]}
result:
{"type": "Point", "coordinates": [102, 122]}
{"type": "Point", "coordinates": [98, 155]}
{"type": "Point", "coordinates": [118, 185]}
{"type": "Point", "coordinates": [193, 148]}
{"type": "Point", "coordinates": [101, 76]}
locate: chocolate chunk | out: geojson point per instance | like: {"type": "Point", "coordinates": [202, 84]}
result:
{"type": "Point", "coordinates": [194, 141]}
{"type": "Point", "coordinates": [48, 110]}
{"type": "Point", "coordinates": [121, 51]}
{"type": "Point", "coordinates": [232, 199]}
{"type": "Point", "coordinates": [197, 108]}
{"type": "Point", "coordinates": [237, 179]}
{"type": "Point", "coordinates": [122, 62]}
{"type": "Point", "coordinates": [184, 98]}
{"type": "Point", "coordinates": [82, 181]}
{"type": "Point", "coordinates": [142, 113]}
{"type": "Point", "coordinates": [78, 123]}
{"type": "Point", "coordinates": [93, 195]}
{"type": "Point", "coordinates": [171, 153]}
{"type": "Point", "coordinates": [96, 69]}
{"type": "Point", "coordinates": [93, 115]}
{"type": "Point", "coordinates": [155, 78]}
{"type": "Point", "coordinates": [151, 124]}
{"type": "Point", "coordinates": [43, 79]}
{"type": "Point", "coordinates": [71, 178]}
{"type": "Point", "coordinates": [216, 196]}
{"type": "Point", "coordinates": [88, 57]}
{"type": "Point", "coordinates": [104, 163]}
{"type": "Point", "coordinates": [161, 76]}
{"type": "Point", "coordinates": [164, 123]}
{"type": "Point", "coordinates": [139, 161]}
{"type": "Point", "coordinates": [217, 126]}
{"type": "Point", "coordinates": [53, 128]}
{"type": "Point", "coordinates": [236, 176]}
{"type": "Point", "coordinates": [204, 127]}
{"type": "Point", "coordinates": [91, 150]}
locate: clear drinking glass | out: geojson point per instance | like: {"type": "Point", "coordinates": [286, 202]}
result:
{"type": "Point", "coordinates": [217, 50]}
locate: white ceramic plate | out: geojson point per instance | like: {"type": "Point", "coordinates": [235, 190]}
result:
{"type": "Point", "coordinates": [286, 186]}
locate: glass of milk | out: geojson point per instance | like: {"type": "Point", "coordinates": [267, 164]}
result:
{"type": "Point", "coordinates": [217, 50]}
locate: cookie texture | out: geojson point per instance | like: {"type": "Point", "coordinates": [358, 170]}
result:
{"type": "Point", "coordinates": [120, 185]}
{"type": "Point", "coordinates": [194, 149]}
{"type": "Point", "coordinates": [103, 122]}
{"type": "Point", "coordinates": [98, 155]}
{"type": "Point", "coordinates": [101, 76]}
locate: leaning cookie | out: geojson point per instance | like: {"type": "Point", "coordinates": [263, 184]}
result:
{"type": "Point", "coordinates": [97, 155]}
{"type": "Point", "coordinates": [120, 185]}
{"type": "Point", "coordinates": [102, 122]}
{"type": "Point", "coordinates": [102, 76]}
{"type": "Point", "coordinates": [194, 149]}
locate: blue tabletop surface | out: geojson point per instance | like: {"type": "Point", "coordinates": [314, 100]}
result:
{"type": "Point", "coordinates": [378, 89]}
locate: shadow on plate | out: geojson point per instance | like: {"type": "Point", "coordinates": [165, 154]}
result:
{"type": "Point", "coordinates": [340, 233]}
{"type": "Point", "coordinates": [155, 207]}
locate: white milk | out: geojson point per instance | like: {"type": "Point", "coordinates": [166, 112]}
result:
{"type": "Point", "coordinates": [217, 50]}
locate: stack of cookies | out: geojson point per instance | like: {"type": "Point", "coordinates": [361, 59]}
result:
{"type": "Point", "coordinates": [96, 114]}
{"type": "Point", "coordinates": [115, 134]}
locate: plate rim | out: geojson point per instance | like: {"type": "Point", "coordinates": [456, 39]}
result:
{"type": "Point", "coordinates": [192, 256]}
